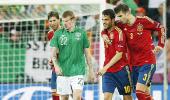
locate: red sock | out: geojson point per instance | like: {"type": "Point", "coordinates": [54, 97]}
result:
{"type": "Point", "coordinates": [140, 95]}
{"type": "Point", "coordinates": [55, 96]}
{"type": "Point", "coordinates": [148, 97]}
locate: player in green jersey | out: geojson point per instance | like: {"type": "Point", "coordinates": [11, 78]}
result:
{"type": "Point", "coordinates": [71, 44]}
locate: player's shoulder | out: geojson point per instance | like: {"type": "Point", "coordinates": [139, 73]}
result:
{"type": "Point", "coordinates": [119, 24]}
{"type": "Point", "coordinates": [117, 29]}
{"type": "Point", "coordinates": [79, 29]}
{"type": "Point", "coordinates": [145, 18]}
{"type": "Point", "coordinates": [59, 31]}
{"type": "Point", "coordinates": [104, 31]}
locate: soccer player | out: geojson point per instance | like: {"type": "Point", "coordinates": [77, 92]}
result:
{"type": "Point", "coordinates": [71, 44]}
{"type": "Point", "coordinates": [115, 72]}
{"type": "Point", "coordinates": [54, 24]}
{"type": "Point", "coordinates": [141, 49]}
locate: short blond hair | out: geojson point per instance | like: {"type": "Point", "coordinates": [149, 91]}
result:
{"type": "Point", "coordinates": [68, 13]}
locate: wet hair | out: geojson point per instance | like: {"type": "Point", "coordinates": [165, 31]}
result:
{"type": "Point", "coordinates": [109, 12]}
{"type": "Point", "coordinates": [53, 14]}
{"type": "Point", "coordinates": [121, 7]}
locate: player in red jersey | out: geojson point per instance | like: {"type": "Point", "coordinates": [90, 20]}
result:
{"type": "Point", "coordinates": [115, 72]}
{"type": "Point", "coordinates": [54, 23]}
{"type": "Point", "coordinates": [141, 49]}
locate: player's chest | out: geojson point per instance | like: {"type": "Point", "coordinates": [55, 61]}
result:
{"type": "Point", "coordinates": [112, 38]}
{"type": "Point", "coordinates": [70, 38]}
{"type": "Point", "coordinates": [134, 32]}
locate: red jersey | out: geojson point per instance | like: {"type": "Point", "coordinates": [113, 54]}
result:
{"type": "Point", "coordinates": [50, 34]}
{"type": "Point", "coordinates": [139, 40]}
{"type": "Point", "coordinates": [118, 43]}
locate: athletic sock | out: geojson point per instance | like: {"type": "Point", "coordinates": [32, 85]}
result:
{"type": "Point", "coordinates": [148, 97]}
{"type": "Point", "coordinates": [140, 95]}
{"type": "Point", "coordinates": [55, 96]}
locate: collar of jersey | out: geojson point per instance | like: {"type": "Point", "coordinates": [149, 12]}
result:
{"type": "Point", "coordinates": [75, 28]}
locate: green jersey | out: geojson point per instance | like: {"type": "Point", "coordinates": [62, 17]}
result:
{"type": "Point", "coordinates": [132, 5]}
{"type": "Point", "coordinates": [71, 47]}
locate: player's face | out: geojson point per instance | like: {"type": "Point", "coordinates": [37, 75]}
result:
{"type": "Point", "coordinates": [54, 23]}
{"type": "Point", "coordinates": [122, 16]}
{"type": "Point", "coordinates": [68, 22]}
{"type": "Point", "coordinates": [107, 22]}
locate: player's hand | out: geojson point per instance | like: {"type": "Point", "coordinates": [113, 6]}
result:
{"type": "Point", "coordinates": [102, 71]}
{"type": "Point", "coordinates": [106, 39]}
{"type": "Point", "coordinates": [157, 49]}
{"type": "Point", "coordinates": [58, 71]}
{"type": "Point", "coordinates": [90, 77]}
{"type": "Point", "coordinates": [50, 62]}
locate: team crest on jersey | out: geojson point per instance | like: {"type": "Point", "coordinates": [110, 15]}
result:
{"type": "Point", "coordinates": [139, 29]}
{"type": "Point", "coordinates": [63, 40]}
{"type": "Point", "coordinates": [77, 36]}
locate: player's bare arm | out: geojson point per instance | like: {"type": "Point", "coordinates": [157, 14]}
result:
{"type": "Point", "coordinates": [115, 59]}
{"type": "Point", "coordinates": [88, 59]}
{"type": "Point", "coordinates": [54, 60]}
